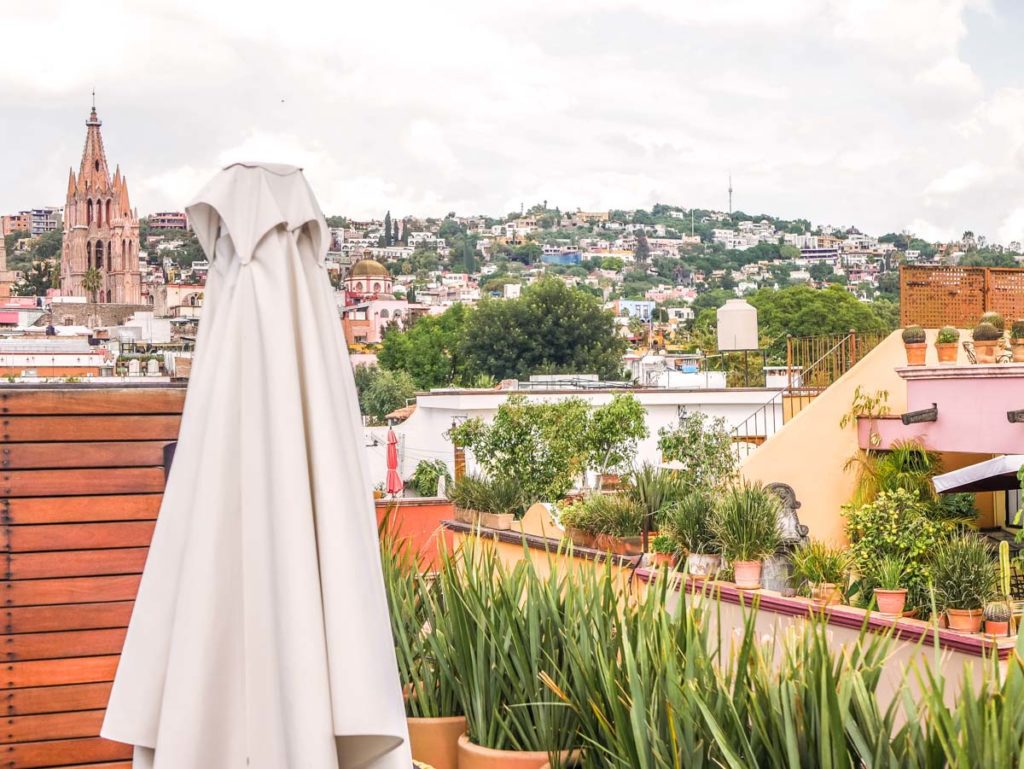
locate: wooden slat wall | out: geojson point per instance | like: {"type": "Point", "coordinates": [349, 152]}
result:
{"type": "Point", "coordinates": [81, 477]}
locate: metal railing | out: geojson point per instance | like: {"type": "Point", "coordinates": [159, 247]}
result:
{"type": "Point", "coordinates": [813, 363]}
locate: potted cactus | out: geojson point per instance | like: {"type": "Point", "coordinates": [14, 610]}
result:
{"type": "Point", "coordinates": [986, 340]}
{"type": "Point", "coordinates": [1017, 340]}
{"type": "Point", "coordinates": [891, 592]}
{"type": "Point", "coordinates": [997, 618]}
{"type": "Point", "coordinates": [914, 342]}
{"type": "Point", "coordinates": [946, 342]}
{"type": "Point", "coordinates": [995, 319]}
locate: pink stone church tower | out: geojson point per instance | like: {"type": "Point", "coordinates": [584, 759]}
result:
{"type": "Point", "coordinates": [101, 231]}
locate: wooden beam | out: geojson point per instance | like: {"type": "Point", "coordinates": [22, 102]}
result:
{"type": "Point", "coordinates": [51, 726]}
{"type": "Point", "coordinates": [77, 536]}
{"type": "Point", "coordinates": [59, 753]}
{"type": "Point", "coordinates": [39, 592]}
{"type": "Point", "coordinates": [69, 643]}
{"type": "Point", "coordinates": [74, 616]}
{"type": "Point", "coordinates": [30, 429]}
{"type": "Point", "coordinates": [83, 400]}
{"type": "Point", "coordinates": [47, 483]}
{"type": "Point", "coordinates": [112, 507]}
{"type": "Point", "coordinates": [72, 670]}
{"type": "Point", "coordinates": [45, 456]}
{"type": "Point", "coordinates": [74, 563]}
{"type": "Point", "coordinates": [55, 699]}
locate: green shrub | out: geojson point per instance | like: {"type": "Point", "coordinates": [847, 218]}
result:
{"type": "Point", "coordinates": [486, 495]}
{"type": "Point", "coordinates": [995, 319]}
{"type": "Point", "coordinates": [964, 573]}
{"type": "Point", "coordinates": [913, 335]}
{"type": "Point", "coordinates": [947, 335]}
{"type": "Point", "coordinates": [895, 525]}
{"type": "Point", "coordinates": [746, 522]}
{"type": "Point", "coordinates": [616, 515]}
{"type": "Point", "coordinates": [653, 489]}
{"type": "Point", "coordinates": [663, 544]}
{"type": "Point", "coordinates": [1017, 329]}
{"type": "Point", "coordinates": [817, 562]}
{"type": "Point", "coordinates": [986, 332]}
{"type": "Point", "coordinates": [688, 522]}
{"type": "Point", "coordinates": [427, 474]}
{"type": "Point", "coordinates": [890, 573]}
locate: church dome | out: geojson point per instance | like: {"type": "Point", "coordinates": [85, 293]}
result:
{"type": "Point", "coordinates": [369, 268]}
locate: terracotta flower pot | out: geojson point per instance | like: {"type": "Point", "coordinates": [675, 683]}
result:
{"type": "Point", "coordinates": [985, 352]}
{"type": "Point", "coordinates": [630, 546]}
{"type": "Point", "coordinates": [475, 757]}
{"type": "Point", "coordinates": [1017, 347]}
{"type": "Point", "coordinates": [916, 353]}
{"type": "Point", "coordinates": [996, 628]}
{"type": "Point", "coordinates": [946, 352]}
{"type": "Point", "coordinates": [497, 521]}
{"type": "Point", "coordinates": [964, 620]}
{"type": "Point", "coordinates": [826, 593]}
{"type": "Point", "coordinates": [664, 559]}
{"type": "Point", "coordinates": [703, 565]}
{"type": "Point", "coordinates": [747, 574]}
{"type": "Point", "coordinates": [891, 602]}
{"type": "Point", "coordinates": [435, 741]}
{"type": "Point", "coordinates": [579, 537]}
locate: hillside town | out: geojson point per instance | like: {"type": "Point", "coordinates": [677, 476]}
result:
{"type": "Point", "coordinates": [92, 289]}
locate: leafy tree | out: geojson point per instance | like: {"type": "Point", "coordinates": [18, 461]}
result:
{"type": "Point", "coordinates": [430, 350]}
{"type": "Point", "coordinates": [541, 447]}
{"type": "Point", "coordinates": [613, 431]}
{"type": "Point", "coordinates": [988, 258]}
{"type": "Point", "coordinates": [38, 279]}
{"type": "Point", "coordinates": [92, 281]}
{"type": "Point", "coordinates": [382, 391]}
{"type": "Point", "coordinates": [787, 251]}
{"type": "Point", "coordinates": [527, 253]}
{"type": "Point", "coordinates": [449, 229]}
{"type": "Point", "coordinates": [643, 249]}
{"type": "Point", "coordinates": [551, 329]}
{"type": "Point", "coordinates": [702, 446]}
{"type": "Point", "coordinates": [337, 221]}
{"type": "Point", "coordinates": [821, 271]}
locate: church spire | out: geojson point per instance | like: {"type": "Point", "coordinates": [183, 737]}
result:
{"type": "Point", "coordinates": [94, 174]}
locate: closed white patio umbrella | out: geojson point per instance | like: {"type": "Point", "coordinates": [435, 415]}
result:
{"type": "Point", "coordinates": [260, 637]}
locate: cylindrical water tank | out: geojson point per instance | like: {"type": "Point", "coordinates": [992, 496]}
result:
{"type": "Point", "coordinates": [737, 326]}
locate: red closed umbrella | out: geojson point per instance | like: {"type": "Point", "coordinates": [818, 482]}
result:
{"type": "Point", "coordinates": [393, 485]}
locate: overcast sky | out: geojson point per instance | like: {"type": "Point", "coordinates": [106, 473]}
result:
{"type": "Point", "coordinates": [889, 115]}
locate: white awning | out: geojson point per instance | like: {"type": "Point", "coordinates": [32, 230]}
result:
{"type": "Point", "coordinates": [996, 474]}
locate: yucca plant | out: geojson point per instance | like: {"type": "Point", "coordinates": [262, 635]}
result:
{"type": "Point", "coordinates": [688, 522]}
{"type": "Point", "coordinates": [964, 573]}
{"type": "Point", "coordinates": [746, 522]}
{"type": "Point", "coordinates": [818, 562]}
{"type": "Point", "coordinates": [617, 515]}
{"type": "Point", "coordinates": [653, 489]}
{"type": "Point", "coordinates": [487, 495]}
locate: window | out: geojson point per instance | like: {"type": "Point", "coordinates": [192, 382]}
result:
{"type": "Point", "coordinates": [96, 165]}
{"type": "Point", "coordinates": [88, 212]}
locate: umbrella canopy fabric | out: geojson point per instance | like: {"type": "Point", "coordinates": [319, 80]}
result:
{"type": "Point", "coordinates": [998, 474]}
{"type": "Point", "coordinates": [260, 637]}
{"type": "Point", "coordinates": [394, 484]}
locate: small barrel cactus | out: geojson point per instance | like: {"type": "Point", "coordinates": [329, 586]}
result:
{"type": "Point", "coordinates": [913, 335]}
{"type": "Point", "coordinates": [986, 332]}
{"type": "Point", "coordinates": [998, 611]}
{"type": "Point", "coordinates": [1017, 329]}
{"type": "Point", "coordinates": [995, 319]}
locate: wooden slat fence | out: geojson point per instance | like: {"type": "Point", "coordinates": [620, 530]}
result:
{"type": "Point", "coordinates": [81, 478]}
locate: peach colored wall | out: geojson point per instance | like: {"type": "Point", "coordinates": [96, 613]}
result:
{"type": "Point", "coordinates": [810, 451]}
{"type": "Point", "coordinates": [419, 520]}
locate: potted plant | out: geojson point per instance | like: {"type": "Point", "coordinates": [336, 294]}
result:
{"type": "Point", "coordinates": [746, 524]}
{"type": "Point", "coordinates": [997, 616]}
{"type": "Point", "coordinates": [946, 342]}
{"type": "Point", "coordinates": [618, 519]}
{"type": "Point", "coordinates": [578, 521]}
{"type": "Point", "coordinates": [428, 673]}
{"type": "Point", "coordinates": [688, 522]}
{"type": "Point", "coordinates": [824, 569]}
{"type": "Point", "coordinates": [890, 590]}
{"type": "Point", "coordinates": [964, 575]}
{"type": "Point", "coordinates": [491, 503]}
{"type": "Point", "coordinates": [664, 549]}
{"type": "Point", "coordinates": [995, 319]}
{"type": "Point", "coordinates": [378, 491]}
{"type": "Point", "coordinates": [1017, 340]}
{"type": "Point", "coordinates": [986, 339]}
{"type": "Point", "coordinates": [915, 345]}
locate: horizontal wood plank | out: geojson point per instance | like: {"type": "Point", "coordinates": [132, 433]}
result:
{"type": "Point", "coordinates": [71, 643]}
{"type": "Point", "coordinates": [73, 563]}
{"type": "Point", "coordinates": [51, 726]}
{"type": "Point", "coordinates": [115, 480]}
{"type": "Point", "coordinates": [37, 592]}
{"type": "Point", "coordinates": [60, 753]}
{"type": "Point", "coordinates": [73, 670]}
{"type": "Point", "coordinates": [86, 400]}
{"type": "Point", "coordinates": [25, 429]}
{"type": "Point", "coordinates": [39, 456]}
{"type": "Point", "coordinates": [76, 616]}
{"type": "Point", "coordinates": [113, 507]}
{"type": "Point", "coordinates": [54, 699]}
{"type": "Point", "coordinates": [76, 536]}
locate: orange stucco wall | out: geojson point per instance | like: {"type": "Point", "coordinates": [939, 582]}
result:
{"type": "Point", "coordinates": [419, 521]}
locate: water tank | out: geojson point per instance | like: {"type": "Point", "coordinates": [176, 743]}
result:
{"type": "Point", "coordinates": [737, 326]}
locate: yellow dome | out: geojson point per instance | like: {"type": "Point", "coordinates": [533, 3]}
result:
{"type": "Point", "coordinates": [369, 268]}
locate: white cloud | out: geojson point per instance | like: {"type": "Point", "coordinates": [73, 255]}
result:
{"type": "Point", "coordinates": [959, 179]}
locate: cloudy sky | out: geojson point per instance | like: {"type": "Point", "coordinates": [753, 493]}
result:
{"type": "Point", "coordinates": [895, 115]}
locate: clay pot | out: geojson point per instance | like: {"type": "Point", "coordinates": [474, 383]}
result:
{"type": "Point", "coordinates": [916, 353]}
{"type": "Point", "coordinates": [475, 757]}
{"type": "Point", "coordinates": [702, 565]}
{"type": "Point", "coordinates": [579, 537]}
{"type": "Point", "coordinates": [826, 593]}
{"type": "Point", "coordinates": [1017, 348]}
{"type": "Point", "coordinates": [608, 481]}
{"type": "Point", "coordinates": [747, 574]}
{"type": "Point", "coordinates": [997, 629]}
{"type": "Point", "coordinates": [985, 352]}
{"type": "Point", "coordinates": [497, 521]}
{"type": "Point", "coordinates": [664, 559]}
{"type": "Point", "coordinates": [964, 620]}
{"type": "Point", "coordinates": [435, 741]}
{"type": "Point", "coordinates": [465, 515]}
{"type": "Point", "coordinates": [946, 352]}
{"type": "Point", "coordinates": [891, 602]}
{"type": "Point", "coordinates": [630, 546]}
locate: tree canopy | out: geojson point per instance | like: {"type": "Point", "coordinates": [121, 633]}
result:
{"type": "Point", "coordinates": [430, 350]}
